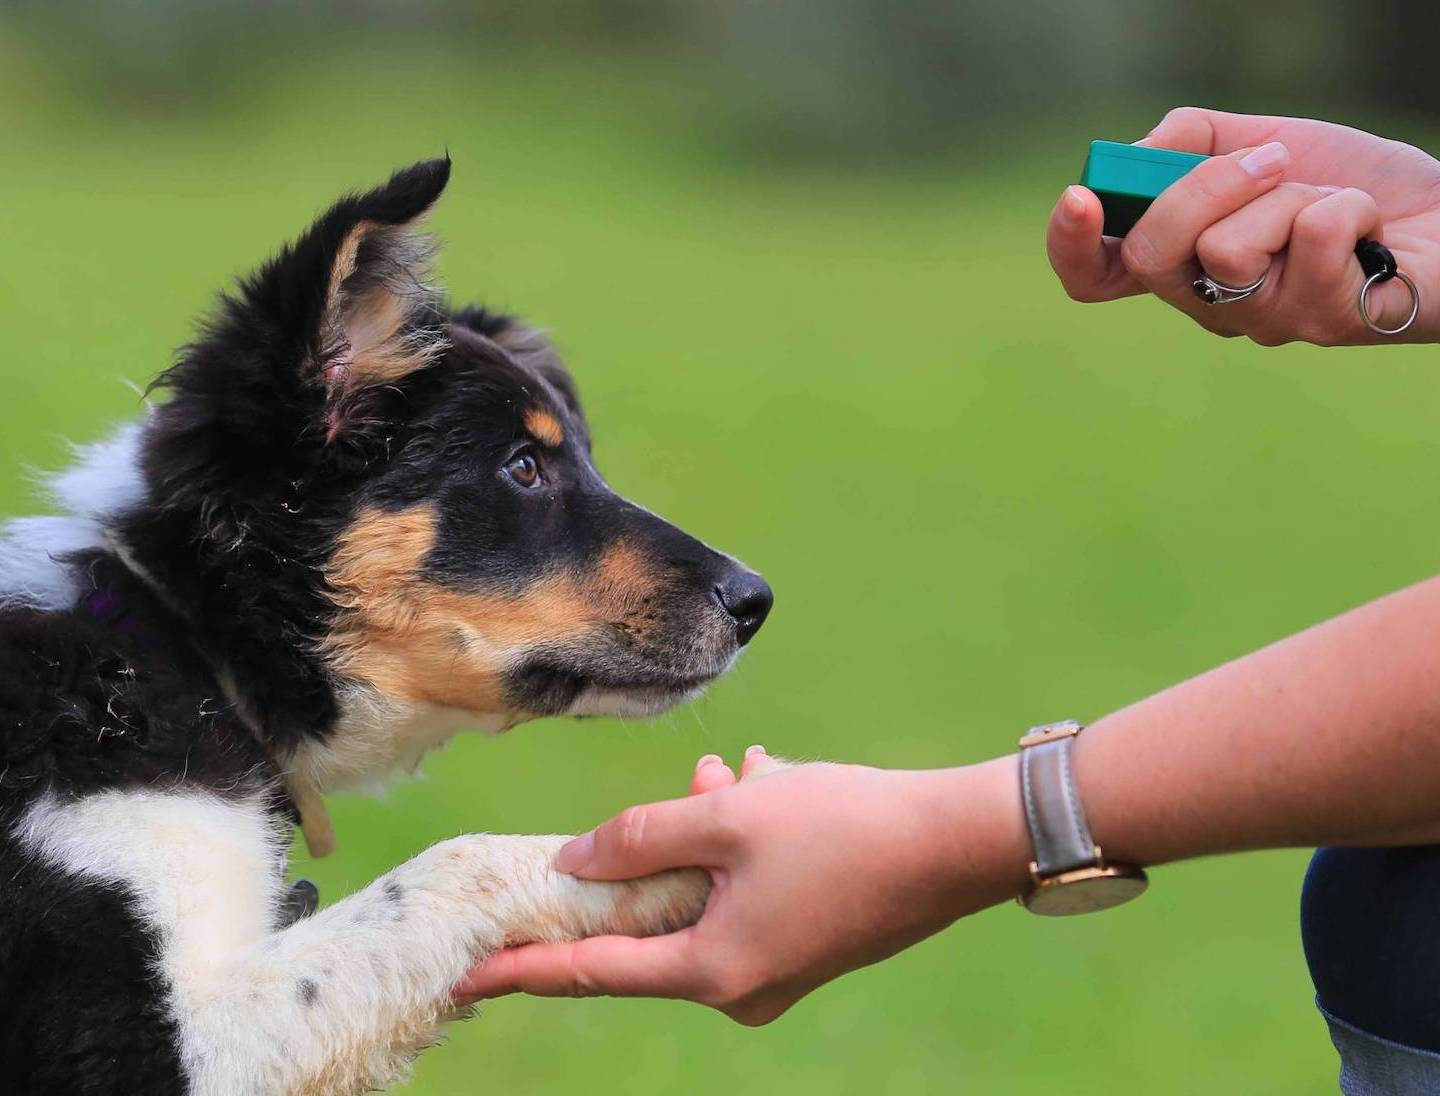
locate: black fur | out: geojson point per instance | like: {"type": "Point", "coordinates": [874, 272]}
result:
{"type": "Point", "coordinates": [82, 1012]}
{"type": "Point", "coordinates": [107, 695]}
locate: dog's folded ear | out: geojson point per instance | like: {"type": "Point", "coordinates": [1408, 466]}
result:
{"type": "Point", "coordinates": [526, 344]}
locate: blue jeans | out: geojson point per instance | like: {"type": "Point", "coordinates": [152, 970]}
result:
{"type": "Point", "coordinates": [1372, 1066]}
{"type": "Point", "coordinates": [1370, 920]}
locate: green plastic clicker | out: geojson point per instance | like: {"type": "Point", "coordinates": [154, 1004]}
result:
{"type": "Point", "coordinates": [1127, 178]}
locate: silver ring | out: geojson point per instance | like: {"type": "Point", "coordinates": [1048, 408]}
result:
{"type": "Point", "coordinates": [1365, 303]}
{"type": "Point", "coordinates": [1212, 292]}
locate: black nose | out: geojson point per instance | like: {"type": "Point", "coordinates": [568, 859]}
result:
{"type": "Point", "coordinates": [746, 597]}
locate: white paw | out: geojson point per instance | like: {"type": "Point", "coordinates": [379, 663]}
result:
{"type": "Point", "coordinates": [660, 903]}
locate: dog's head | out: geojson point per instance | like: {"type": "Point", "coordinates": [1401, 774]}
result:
{"type": "Point", "coordinates": [347, 451]}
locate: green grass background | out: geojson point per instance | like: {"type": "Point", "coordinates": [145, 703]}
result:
{"type": "Point", "coordinates": [981, 506]}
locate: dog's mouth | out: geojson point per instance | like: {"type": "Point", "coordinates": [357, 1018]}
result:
{"type": "Point", "coordinates": [554, 685]}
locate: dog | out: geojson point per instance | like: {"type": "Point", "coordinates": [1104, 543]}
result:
{"type": "Point", "coordinates": [359, 523]}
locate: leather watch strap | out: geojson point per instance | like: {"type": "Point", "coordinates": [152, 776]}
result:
{"type": "Point", "coordinates": [1058, 828]}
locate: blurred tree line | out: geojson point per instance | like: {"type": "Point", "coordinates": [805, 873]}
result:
{"type": "Point", "coordinates": [849, 79]}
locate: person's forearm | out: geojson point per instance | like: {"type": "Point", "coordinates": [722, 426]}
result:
{"type": "Point", "coordinates": [1329, 737]}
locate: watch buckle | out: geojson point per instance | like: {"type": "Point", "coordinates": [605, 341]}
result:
{"type": "Point", "coordinates": [1050, 732]}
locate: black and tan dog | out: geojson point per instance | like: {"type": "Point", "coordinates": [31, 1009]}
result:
{"type": "Point", "coordinates": [360, 523]}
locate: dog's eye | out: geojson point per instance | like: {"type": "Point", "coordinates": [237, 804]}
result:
{"type": "Point", "coordinates": [523, 468]}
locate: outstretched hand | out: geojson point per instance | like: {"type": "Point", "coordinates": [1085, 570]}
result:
{"type": "Point", "coordinates": [818, 869]}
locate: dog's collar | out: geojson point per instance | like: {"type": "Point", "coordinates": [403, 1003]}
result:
{"type": "Point", "coordinates": [315, 822]}
{"type": "Point", "coordinates": [314, 818]}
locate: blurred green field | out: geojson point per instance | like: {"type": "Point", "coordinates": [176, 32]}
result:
{"type": "Point", "coordinates": [981, 507]}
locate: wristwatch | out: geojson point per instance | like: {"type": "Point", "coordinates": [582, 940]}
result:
{"type": "Point", "coordinates": [1069, 873]}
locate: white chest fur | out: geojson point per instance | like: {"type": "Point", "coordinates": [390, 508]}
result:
{"type": "Point", "coordinates": [205, 871]}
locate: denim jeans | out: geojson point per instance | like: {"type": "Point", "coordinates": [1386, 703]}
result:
{"type": "Point", "coordinates": [1370, 920]}
{"type": "Point", "coordinates": [1372, 1066]}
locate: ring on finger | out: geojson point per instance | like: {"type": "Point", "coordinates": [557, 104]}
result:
{"type": "Point", "coordinates": [1212, 292]}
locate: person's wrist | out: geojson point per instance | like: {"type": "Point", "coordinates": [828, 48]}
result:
{"type": "Point", "coordinates": [1127, 792]}
{"type": "Point", "coordinates": [980, 845]}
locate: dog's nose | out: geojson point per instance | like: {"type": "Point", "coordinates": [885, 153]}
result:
{"type": "Point", "coordinates": [746, 597]}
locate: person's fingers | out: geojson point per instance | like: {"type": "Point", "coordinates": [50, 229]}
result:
{"type": "Point", "coordinates": [757, 763]}
{"type": "Point", "coordinates": [1238, 249]}
{"type": "Point", "coordinates": [676, 833]}
{"type": "Point", "coordinates": [1322, 275]}
{"type": "Point", "coordinates": [711, 774]}
{"type": "Point", "coordinates": [602, 966]}
{"type": "Point", "coordinates": [1211, 132]}
{"type": "Point", "coordinates": [1160, 250]}
{"type": "Point", "coordinates": [1088, 264]}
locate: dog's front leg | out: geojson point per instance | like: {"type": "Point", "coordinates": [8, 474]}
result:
{"type": "Point", "coordinates": [341, 1002]}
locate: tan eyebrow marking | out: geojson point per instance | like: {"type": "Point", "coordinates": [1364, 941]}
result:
{"type": "Point", "coordinates": [544, 426]}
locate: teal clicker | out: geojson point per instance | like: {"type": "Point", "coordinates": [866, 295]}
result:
{"type": "Point", "coordinates": [1127, 178]}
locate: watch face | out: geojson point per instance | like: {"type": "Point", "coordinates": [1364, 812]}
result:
{"type": "Point", "coordinates": [1086, 890]}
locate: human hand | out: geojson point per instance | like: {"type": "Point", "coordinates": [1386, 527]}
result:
{"type": "Point", "coordinates": [1288, 195]}
{"type": "Point", "coordinates": [818, 870]}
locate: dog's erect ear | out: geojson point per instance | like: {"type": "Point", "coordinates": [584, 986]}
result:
{"type": "Point", "coordinates": [352, 297]}
{"type": "Point", "coordinates": [533, 349]}
{"type": "Point", "coordinates": [315, 346]}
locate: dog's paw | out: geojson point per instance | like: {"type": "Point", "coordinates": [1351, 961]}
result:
{"type": "Point", "coordinates": [513, 887]}
{"type": "Point", "coordinates": [651, 906]}
{"type": "Point", "coordinates": [660, 903]}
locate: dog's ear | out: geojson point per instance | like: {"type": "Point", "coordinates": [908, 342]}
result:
{"type": "Point", "coordinates": [527, 345]}
{"type": "Point", "coordinates": [314, 339]}
{"type": "Point", "coordinates": [352, 296]}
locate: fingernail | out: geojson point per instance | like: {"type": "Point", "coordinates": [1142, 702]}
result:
{"type": "Point", "coordinates": [576, 854]}
{"type": "Point", "coordinates": [750, 751]}
{"type": "Point", "coordinates": [1072, 207]}
{"type": "Point", "coordinates": [1267, 160]}
{"type": "Point", "coordinates": [1329, 189]}
{"type": "Point", "coordinates": [708, 759]}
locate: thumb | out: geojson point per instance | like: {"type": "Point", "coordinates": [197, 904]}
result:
{"type": "Point", "coordinates": [1212, 132]}
{"type": "Point", "coordinates": [1185, 129]}
{"type": "Point", "coordinates": [677, 833]}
